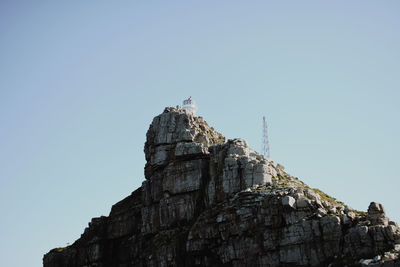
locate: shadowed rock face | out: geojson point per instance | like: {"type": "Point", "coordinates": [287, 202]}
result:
{"type": "Point", "coordinates": [211, 202]}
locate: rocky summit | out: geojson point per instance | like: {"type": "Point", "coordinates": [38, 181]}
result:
{"type": "Point", "coordinates": [207, 201]}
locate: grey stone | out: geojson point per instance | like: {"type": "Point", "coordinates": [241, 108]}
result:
{"type": "Point", "coordinates": [346, 220]}
{"type": "Point", "coordinates": [366, 261]}
{"type": "Point", "coordinates": [207, 202]}
{"type": "Point", "coordinates": [181, 177]}
{"type": "Point", "coordinates": [185, 149]}
{"type": "Point", "coordinates": [376, 214]}
{"type": "Point", "coordinates": [377, 258]}
{"type": "Point", "coordinates": [303, 203]}
{"type": "Point", "coordinates": [289, 201]}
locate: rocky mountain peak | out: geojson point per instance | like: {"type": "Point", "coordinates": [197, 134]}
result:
{"type": "Point", "coordinates": [207, 201]}
{"type": "Point", "coordinates": [176, 133]}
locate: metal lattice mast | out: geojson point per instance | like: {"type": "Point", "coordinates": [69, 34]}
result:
{"type": "Point", "coordinates": [265, 142]}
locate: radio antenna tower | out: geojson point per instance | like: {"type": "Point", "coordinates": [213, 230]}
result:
{"type": "Point", "coordinates": [265, 142]}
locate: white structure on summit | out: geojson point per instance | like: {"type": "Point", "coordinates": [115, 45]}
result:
{"type": "Point", "coordinates": [265, 142]}
{"type": "Point", "coordinates": [190, 105]}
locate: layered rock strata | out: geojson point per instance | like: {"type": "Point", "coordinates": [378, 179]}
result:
{"type": "Point", "coordinates": [210, 202]}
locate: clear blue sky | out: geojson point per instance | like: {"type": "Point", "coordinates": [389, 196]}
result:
{"type": "Point", "coordinates": [80, 82]}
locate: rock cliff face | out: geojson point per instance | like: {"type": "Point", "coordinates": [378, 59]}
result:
{"type": "Point", "coordinates": [211, 202]}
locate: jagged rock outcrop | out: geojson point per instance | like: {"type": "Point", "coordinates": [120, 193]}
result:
{"type": "Point", "coordinates": [210, 202]}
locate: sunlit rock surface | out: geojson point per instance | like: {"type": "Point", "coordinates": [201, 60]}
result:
{"type": "Point", "coordinates": [211, 202]}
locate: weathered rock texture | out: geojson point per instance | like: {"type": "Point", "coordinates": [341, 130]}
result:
{"type": "Point", "coordinates": [211, 202]}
